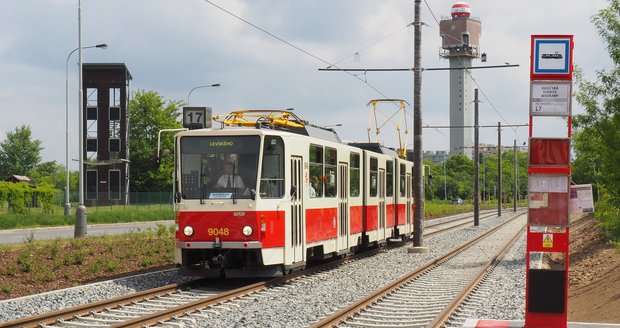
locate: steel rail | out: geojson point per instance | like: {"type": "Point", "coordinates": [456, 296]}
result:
{"type": "Point", "coordinates": [168, 314]}
{"type": "Point", "coordinates": [351, 310]}
{"type": "Point", "coordinates": [452, 227]}
{"type": "Point", "coordinates": [445, 315]}
{"type": "Point", "coordinates": [52, 317]}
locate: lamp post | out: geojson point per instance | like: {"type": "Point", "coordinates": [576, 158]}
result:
{"type": "Point", "coordinates": [214, 85]}
{"type": "Point", "coordinates": [67, 202]}
{"type": "Point", "coordinates": [80, 211]}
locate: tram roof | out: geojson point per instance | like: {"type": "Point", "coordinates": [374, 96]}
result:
{"type": "Point", "coordinates": [375, 147]}
{"type": "Point", "coordinates": [276, 119]}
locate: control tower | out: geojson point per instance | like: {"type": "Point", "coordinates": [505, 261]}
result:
{"type": "Point", "coordinates": [460, 36]}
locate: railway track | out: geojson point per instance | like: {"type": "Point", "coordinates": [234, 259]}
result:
{"type": "Point", "coordinates": [437, 228]}
{"type": "Point", "coordinates": [428, 296]}
{"type": "Point", "coordinates": [174, 301]}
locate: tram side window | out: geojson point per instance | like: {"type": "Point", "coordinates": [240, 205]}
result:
{"type": "Point", "coordinates": [331, 177]}
{"type": "Point", "coordinates": [373, 177]}
{"type": "Point", "coordinates": [272, 175]}
{"type": "Point", "coordinates": [389, 179]}
{"type": "Point", "coordinates": [403, 175]}
{"type": "Point", "coordinates": [316, 171]}
{"type": "Point", "coordinates": [354, 174]}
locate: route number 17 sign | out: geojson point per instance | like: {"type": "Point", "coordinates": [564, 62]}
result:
{"type": "Point", "coordinates": [550, 98]}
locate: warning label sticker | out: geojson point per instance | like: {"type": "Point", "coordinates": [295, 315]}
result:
{"type": "Point", "coordinates": [547, 240]}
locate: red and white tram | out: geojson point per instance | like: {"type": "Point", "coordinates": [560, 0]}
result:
{"type": "Point", "coordinates": [268, 192]}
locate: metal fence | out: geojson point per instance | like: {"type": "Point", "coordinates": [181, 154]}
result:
{"type": "Point", "coordinates": [143, 199]}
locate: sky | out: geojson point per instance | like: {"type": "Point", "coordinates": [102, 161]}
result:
{"type": "Point", "coordinates": [173, 46]}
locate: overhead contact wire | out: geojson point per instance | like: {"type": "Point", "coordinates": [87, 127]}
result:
{"type": "Point", "coordinates": [291, 44]}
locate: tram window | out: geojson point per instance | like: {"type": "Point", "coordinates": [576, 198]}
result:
{"type": "Point", "coordinates": [316, 170]}
{"type": "Point", "coordinates": [331, 177]}
{"type": "Point", "coordinates": [373, 177]}
{"type": "Point", "coordinates": [354, 174]}
{"type": "Point", "coordinates": [272, 175]}
{"type": "Point", "coordinates": [403, 174]}
{"type": "Point", "coordinates": [389, 179]}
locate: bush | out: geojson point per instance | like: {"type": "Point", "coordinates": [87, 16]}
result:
{"type": "Point", "coordinates": [21, 196]}
{"type": "Point", "coordinates": [6, 287]}
{"type": "Point", "coordinates": [609, 217]}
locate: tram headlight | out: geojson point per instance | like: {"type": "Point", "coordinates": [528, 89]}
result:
{"type": "Point", "coordinates": [247, 231]}
{"type": "Point", "coordinates": [188, 231]}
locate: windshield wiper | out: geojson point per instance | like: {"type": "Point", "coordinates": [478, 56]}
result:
{"type": "Point", "coordinates": [202, 185]}
{"type": "Point", "coordinates": [234, 184]}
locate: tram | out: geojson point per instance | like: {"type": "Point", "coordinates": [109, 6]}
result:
{"type": "Point", "coordinates": [265, 193]}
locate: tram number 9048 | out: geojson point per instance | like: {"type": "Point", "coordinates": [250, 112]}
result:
{"type": "Point", "coordinates": [218, 231]}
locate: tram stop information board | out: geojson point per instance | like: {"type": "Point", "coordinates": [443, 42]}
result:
{"type": "Point", "coordinates": [546, 293]}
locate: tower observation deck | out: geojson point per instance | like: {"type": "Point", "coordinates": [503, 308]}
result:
{"type": "Point", "coordinates": [460, 36]}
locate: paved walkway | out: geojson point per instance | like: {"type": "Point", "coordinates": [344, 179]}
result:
{"type": "Point", "coordinates": [20, 235]}
{"type": "Point", "coordinates": [476, 323]}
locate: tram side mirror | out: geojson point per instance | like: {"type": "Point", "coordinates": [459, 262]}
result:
{"type": "Point", "coordinates": [177, 197]}
{"type": "Point", "coordinates": [293, 191]}
{"type": "Point", "coordinates": [156, 161]}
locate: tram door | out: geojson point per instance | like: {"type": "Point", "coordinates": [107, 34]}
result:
{"type": "Point", "coordinates": [297, 212]}
{"type": "Point", "coordinates": [381, 210]}
{"type": "Point", "coordinates": [409, 210]}
{"type": "Point", "coordinates": [343, 206]}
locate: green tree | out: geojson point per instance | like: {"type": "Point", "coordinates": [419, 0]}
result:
{"type": "Point", "coordinates": [597, 131]}
{"type": "Point", "coordinates": [50, 173]}
{"type": "Point", "coordinates": [460, 171]}
{"type": "Point", "coordinates": [149, 113]}
{"type": "Point", "coordinates": [19, 153]}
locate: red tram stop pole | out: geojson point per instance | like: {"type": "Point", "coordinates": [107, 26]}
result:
{"type": "Point", "coordinates": [546, 288]}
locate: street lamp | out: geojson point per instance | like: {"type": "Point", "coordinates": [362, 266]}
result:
{"type": "Point", "coordinates": [215, 85]}
{"type": "Point", "coordinates": [67, 202]}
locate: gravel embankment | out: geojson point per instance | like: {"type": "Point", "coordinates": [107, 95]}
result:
{"type": "Point", "coordinates": [503, 291]}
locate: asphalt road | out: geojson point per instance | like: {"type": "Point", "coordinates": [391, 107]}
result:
{"type": "Point", "coordinates": [20, 235]}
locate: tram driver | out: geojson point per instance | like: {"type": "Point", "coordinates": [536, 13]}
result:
{"type": "Point", "coordinates": [229, 179]}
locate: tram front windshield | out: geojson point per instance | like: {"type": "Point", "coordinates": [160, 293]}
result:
{"type": "Point", "coordinates": [219, 167]}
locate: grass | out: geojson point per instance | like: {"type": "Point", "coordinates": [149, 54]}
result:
{"type": "Point", "coordinates": [6, 287]}
{"type": "Point", "coordinates": [438, 208]}
{"type": "Point", "coordinates": [106, 214]}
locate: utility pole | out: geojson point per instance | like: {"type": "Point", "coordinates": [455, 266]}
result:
{"type": "Point", "coordinates": [418, 168]}
{"type": "Point", "coordinates": [514, 188]}
{"type": "Point", "coordinates": [476, 163]}
{"type": "Point", "coordinates": [445, 180]}
{"type": "Point", "coordinates": [499, 168]}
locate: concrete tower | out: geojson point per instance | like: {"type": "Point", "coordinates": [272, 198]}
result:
{"type": "Point", "coordinates": [460, 36]}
